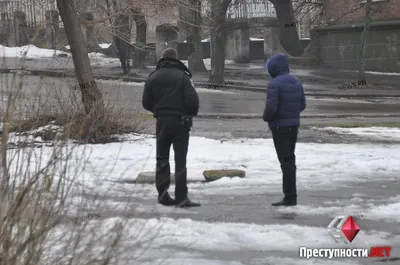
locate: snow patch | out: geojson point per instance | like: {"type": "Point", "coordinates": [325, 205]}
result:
{"type": "Point", "coordinates": [386, 212]}
{"type": "Point", "coordinates": [111, 81]}
{"type": "Point", "coordinates": [148, 236]}
{"type": "Point", "coordinates": [256, 39]}
{"type": "Point", "coordinates": [373, 132]}
{"type": "Point", "coordinates": [205, 90]}
{"type": "Point", "coordinates": [29, 51]}
{"type": "Point", "coordinates": [207, 62]}
{"type": "Point", "coordinates": [105, 45]}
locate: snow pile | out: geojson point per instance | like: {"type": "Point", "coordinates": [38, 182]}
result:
{"type": "Point", "coordinates": [29, 51]}
{"type": "Point", "coordinates": [105, 45]}
{"type": "Point", "coordinates": [387, 212]}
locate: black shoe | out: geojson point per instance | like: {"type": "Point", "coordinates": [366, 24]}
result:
{"type": "Point", "coordinates": [285, 203]}
{"type": "Point", "coordinates": [186, 203]}
{"type": "Point", "coordinates": [166, 200]}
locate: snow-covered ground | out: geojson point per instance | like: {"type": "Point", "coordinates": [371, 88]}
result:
{"type": "Point", "coordinates": [207, 62]}
{"type": "Point", "coordinates": [371, 132]}
{"type": "Point", "coordinates": [33, 52]}
{"type": "Point", "coordinates": [28, 51]}
{"type": "Point", "coordinates": [102, 45]}
{"type": "Point", "coordinates": [185, 241]}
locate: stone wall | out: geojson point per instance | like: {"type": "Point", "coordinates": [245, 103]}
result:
{"type": "Point", "coordinates": [257, 26]}
{"type": "Point", "coordinates": [237, 45]}
{"type": "Point", "coordinates": [339, 46]}
{"type": "Point", "coordinates": [156, 17]}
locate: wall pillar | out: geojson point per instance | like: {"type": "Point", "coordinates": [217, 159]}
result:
{"type": "Point", "coordinates": [238, 41]}
{"type": "Point", "coordinates": [271, 38]}
{"type": "Point", "coordinates": [52, 28]}
{"type": "Point", "coordinates": [88, 32]}
{"type": "Point", "coordinates": [166, 37]}
{"type": "Point", "coordinates": [19, 36]}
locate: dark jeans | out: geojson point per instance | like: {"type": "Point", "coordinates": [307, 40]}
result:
{"type": "Point", "coordinates": [171, 131]}
{"type": "Point", "coordinates": [285, 139]}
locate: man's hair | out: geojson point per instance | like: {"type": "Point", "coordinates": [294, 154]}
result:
{"type": "Point", "coordinates": [169, 53]}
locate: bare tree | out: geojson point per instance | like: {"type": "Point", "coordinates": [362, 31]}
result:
{"type": "Point", "coordinates": [92, 98]}
{"type": "Point", "coordinates": [218, 39]}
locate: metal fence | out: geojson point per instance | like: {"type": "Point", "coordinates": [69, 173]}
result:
{"type": "Point", "coordinates": [245, 9]}
{"type": "Point", "coordinates": [34, 10]}
{"type": "Point", "coordinates": [251, 9]}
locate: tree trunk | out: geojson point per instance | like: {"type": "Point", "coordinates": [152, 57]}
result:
{"type": "Point", "coordinates": [288, 36]}
{"type": "Point", "coordinates": [195, 59]}
{"type": "Point", "coordinates": [218, 40]}
{"type": "Point", "coordinates": [91, 96]}
{"type": "Point", "coordinates": [141, 32]}
{"type": "Point", "coordinates": [364, 36]}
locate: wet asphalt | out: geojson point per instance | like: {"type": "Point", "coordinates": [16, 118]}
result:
{"type": "Point", "coordinates": [36, 89]}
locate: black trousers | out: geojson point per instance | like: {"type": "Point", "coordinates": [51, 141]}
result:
{"type": "Point", "coordinates": [285, 139]}
{"type": "Point", "coordinates": [171, 131]}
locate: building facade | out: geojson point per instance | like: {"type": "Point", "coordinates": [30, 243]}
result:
{"type": "Point", "coordinates": [338, 42]}
{"type": "Point", "coordinates": [353, 11]}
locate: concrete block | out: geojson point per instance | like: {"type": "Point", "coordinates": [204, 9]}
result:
{"type": "Point", "coordinates": [211, 175]}
{"type": "Point", "coordinates": [149, 177]}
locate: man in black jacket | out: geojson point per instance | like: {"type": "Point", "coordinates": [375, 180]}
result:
{"type": "Point", "coordinates": [171, 97]}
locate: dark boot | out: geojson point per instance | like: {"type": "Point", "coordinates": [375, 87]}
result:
{"type": "Point", "coordinates": [186, 203]}
{"type": "Point", "coordinates": [286, 202]}
{"type": "Point", "coordinates": [166, 200]}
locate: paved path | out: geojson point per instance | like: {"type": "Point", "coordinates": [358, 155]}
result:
{"type": "Point", "coordinates": [254, 208]}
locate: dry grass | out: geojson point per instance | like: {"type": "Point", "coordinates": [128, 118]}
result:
{"type": "Point", "coordinates": [64, 109]}
{"type": "Point", "coordinates": [37, 186]}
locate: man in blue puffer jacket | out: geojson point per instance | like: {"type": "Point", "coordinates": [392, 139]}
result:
{"type": "Point", "coordinates": [285, 100]}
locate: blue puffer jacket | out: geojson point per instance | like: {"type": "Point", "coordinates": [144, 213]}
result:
{"type": "Point", "coordinates": [285, 94]}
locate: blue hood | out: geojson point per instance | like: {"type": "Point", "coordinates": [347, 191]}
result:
{"type": "Point", "coordinates": [277, 65]}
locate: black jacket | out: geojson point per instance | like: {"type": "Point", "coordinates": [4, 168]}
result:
{"type": "Point", "coordinates": [169, 92]}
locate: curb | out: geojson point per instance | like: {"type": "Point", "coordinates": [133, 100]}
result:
{"type": "Point", "coordinates": [321, 116]}
{"type": "Point", "coordinates": [200, 84]}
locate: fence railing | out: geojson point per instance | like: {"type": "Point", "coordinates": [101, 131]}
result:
{"type": "Point", "coordinates": [245, 9]}
{"type": "Point", "coordinates": [34, 10]}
